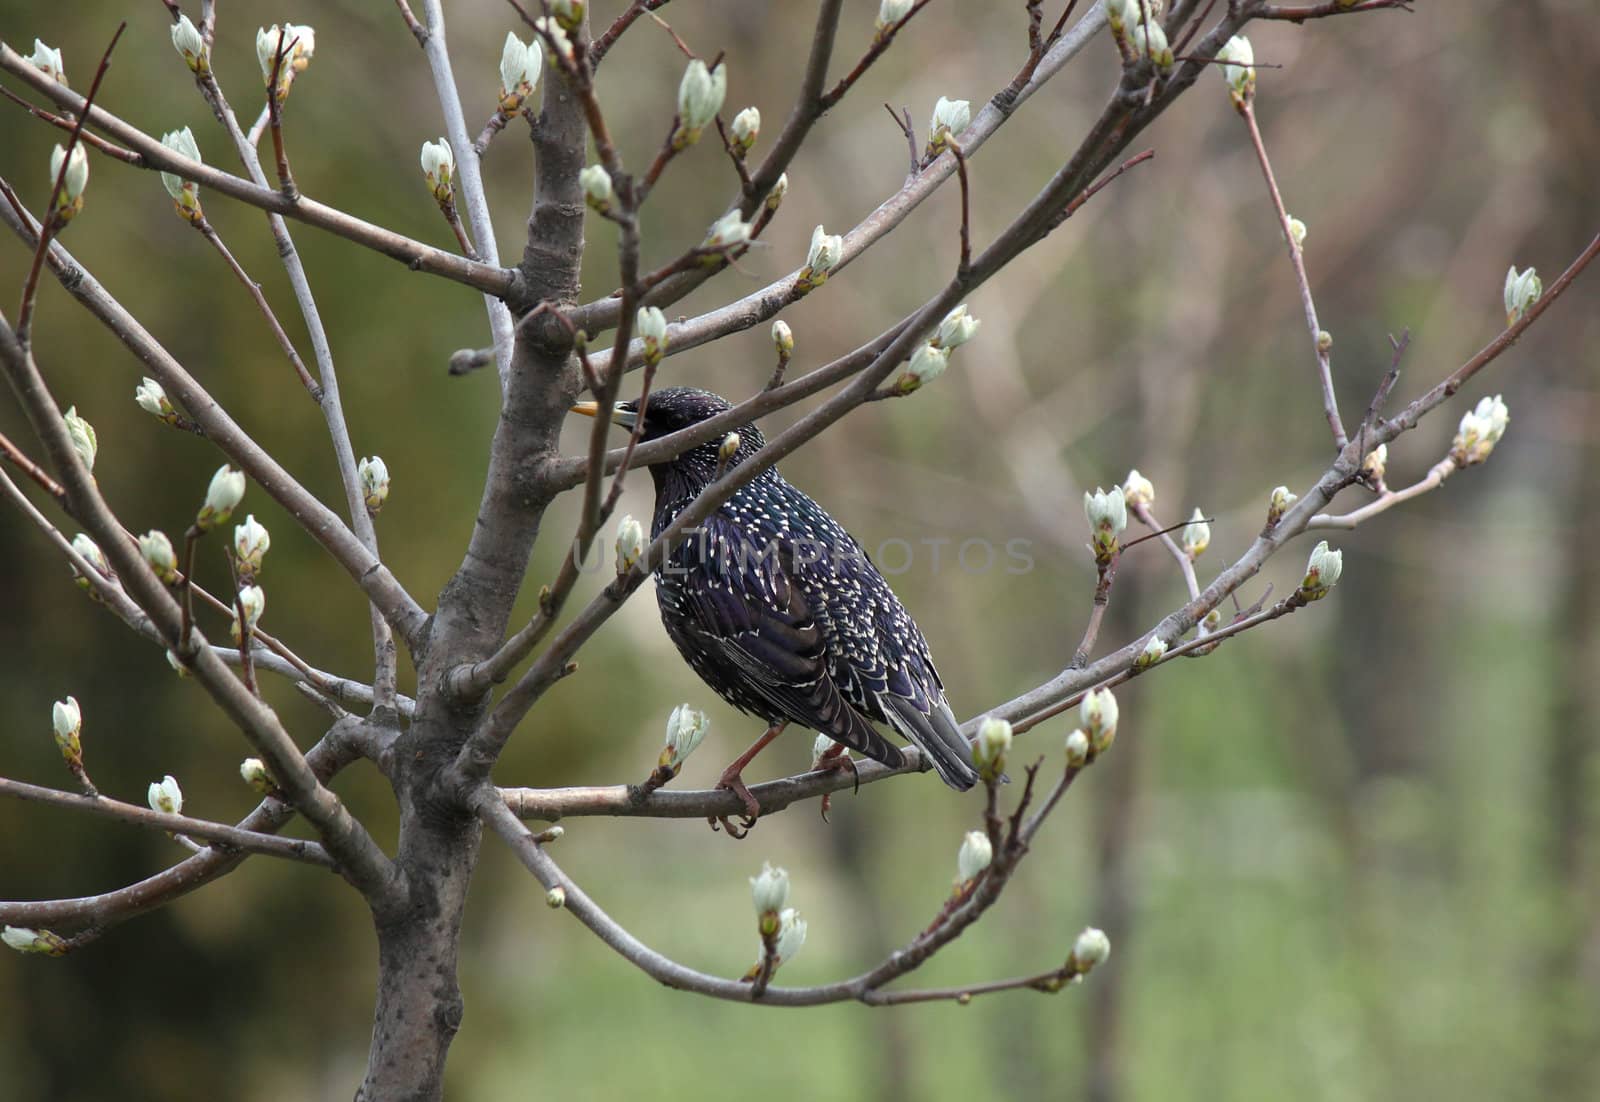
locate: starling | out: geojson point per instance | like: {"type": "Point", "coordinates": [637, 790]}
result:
{"type": "Point", "coordinates": [779, 609]}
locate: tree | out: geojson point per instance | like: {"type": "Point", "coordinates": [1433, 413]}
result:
{"type": "Point", "coordinates": [438, 747]}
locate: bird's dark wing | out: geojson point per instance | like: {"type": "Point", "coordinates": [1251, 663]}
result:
{"type": "Point", "coordinates": [738, 597]}
{"type": "Point", "coordinates": [877, 654]}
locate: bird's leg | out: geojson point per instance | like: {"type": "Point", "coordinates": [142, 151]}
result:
{"type": "Point", "coordinates": [734, 782]}
{"type": "Point", "coordinates": [832, 761]}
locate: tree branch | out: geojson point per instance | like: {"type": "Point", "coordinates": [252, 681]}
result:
{"type": "Point", "coordinates": [95, 915]}
{"type": "Point", "coordinates": [228, 837]}
{"type": "Point", "coordinates": [436, 49]}
{"type": "Point", "coordinates": [321, 523]}
{"type": "Point", "coordinates": [359, 857]}
{"type": "Point", "coordinates": [413, 254]}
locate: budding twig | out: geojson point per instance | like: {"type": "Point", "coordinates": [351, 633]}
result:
{"type": "Point", "coordinates": [52, 223]}
{"type": "Point", "coordinates": [1105, 575]}
{"type": "Point", "coordinates": [1330, 402]}
{"type": "Point", "coordinates": [260, 299]}
{"type": "Point", "coordinates": [418, 31]}
{"type": "Point", "coordinates": [1164, 535]}
{"type": "Point", "coordinates": [275, 117]}
{"type": "Point", "coordinates": [965, 265]}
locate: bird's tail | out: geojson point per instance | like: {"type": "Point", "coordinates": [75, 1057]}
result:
{"type": "Point", "coordinates": [937, 735]}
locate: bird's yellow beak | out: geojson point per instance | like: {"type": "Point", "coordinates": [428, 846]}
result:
{"type": "Point", "coordinates": [623, 417]}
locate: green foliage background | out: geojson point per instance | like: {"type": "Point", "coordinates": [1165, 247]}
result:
{"type": "Point", "coordinates": [1350, 856]}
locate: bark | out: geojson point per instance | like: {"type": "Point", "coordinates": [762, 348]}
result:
{"type": "Point", "coordinates": [419, 1004]}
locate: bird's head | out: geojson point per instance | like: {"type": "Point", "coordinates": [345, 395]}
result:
{"type": "Point", "coordinates": [679, 407]}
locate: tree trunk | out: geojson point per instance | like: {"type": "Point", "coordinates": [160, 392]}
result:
{"type": "Point", "coordinates": [419, 1005]}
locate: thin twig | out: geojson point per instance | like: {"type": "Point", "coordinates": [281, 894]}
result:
{"type": "Point", "coordinates": [53, 221]}
{"type": "Point", "coordinates": [1320, 348]}
{"type": "Point", "coordinates": [415, 255]}
{"type": "Point", "coordinates": [226, 836]}
{"type": "Point", "coordinates": [260, 299]}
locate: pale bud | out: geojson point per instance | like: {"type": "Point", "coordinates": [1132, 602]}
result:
{"type": "Point", "coordinates": [743, 131]}
{"type": "Point", "coordinates": [729, 447]}
{"type": "Point", "coordinates": [994, 741]}
{"type": "Point", "coordinates": [188, 41]}
{"type": "Point", "coordinates": [726, 232]}
{"type": "Point", "coordinates": [254, 772]}
{"type": "Point", "coordinates": [1077, 749]}
{"type": "Point", "coordinates": [157, 551]}
{"type": "Point", "coordinates": [1324, 341]}
{"type": "Point", "coordinates": [791, 935]}
{"type": "Point", "coordinates": [1108, 516]}
{"type": "Point", "coordinates": [520, 64]}
{"type": "Point", "coordinates": [652, 326]}
{"type": "Point", "coordinates": [250, 543]}
{"type": "Point", "coordinates": [26, 940]}
{"type": "Point", "coordinates": [1149, 40]}
{"type": "Point", "coordinates": [1122, 14]}
{"type": "Point", "coordinates": [927, 363]}
{"type": "Point", "coordinates": [957, 328]}
{"type": "Point", "coordinates": [700, 96]}
{"type": "Point", "coordinates": [1297, 232]}
{"type": "Point", "coordinates": [1138, 490]}
{"type": "Point", "coordinates": [950, 117]}
{"type": "Point", "coordinates": [596, 184]}
{"type": "Point", "coordinates": [1091, 948]}
{"type": "Point", "coordinates": [267, 45]}
{"type": "Point", "coordinates": [185, 193]}
{"type": "Point", "coordinates": [779, 190]}
{"type": "Point", "coordinates": [152, 398]}
{"type": "Point", "coordinates": [82, 434]}
{"type": "Point", "coordinates": [77, 175]}
{"type": "Point", "coordinates": [569, 13]}
{"type": "Point", "coordinates": [975, 855]}
{"type": "Point", "coordinates": [1098, 713]}
{"type": "Point", "coordinates": [1239, 72]}
{"type": "Point", "coordinates": [48, 61]}
{"type": "Point", "coordinates": [304, 41]}
{"type": "Point", "coordinates": [89, 550]}
{"type": "Point", "coordinates": [1152, 653]}
{"type": "Point", "coordinates": [438, 166]}
{"type": "Point", "coordinates": [222, 496]}
{"type": "Point", "coordinates": [253, 599]}
{"type": "Point", "coordinates": [70, 199]}
{"type": "Point", "coordinates": [556, 898]}
{"type": "Point", "coordinates": [66, 720]}
{"type": "Point", "coordinates": [1376, 463]}
{"type": "Point", "coordinates": [373, 474]}
{"type": "Point", "coordinates": [769, 892]}
{"type": "Point", "coordinates": [782, 337]}
{"type": "Point", "coordinates": [825, 252]}
{"type": "Point", "coordinates": [1322, 572]}
{"type": "Point", "coordinates": [1278, 504]}
{"type": "Point", "coordinates": [1196, 536]}
{"type": "Point", "coordinates": [686, 726]}
{"type": "Point", "coordinates": [560, 44]}
{"type": "Point", "coordinates": [891, 12]}
{"type": "Point", "coordinates": [630, 544]}
{"type": "Point", "coordinates": [1480, 430]}
{"type": "Point", "coordinates": [1522, 291]}
{"type": "Point", "coordinates": [165, 795]}
{"type": "Point", "coordinates": [298, 43]}
{"type": "Point", "coordinates": [177, 664]}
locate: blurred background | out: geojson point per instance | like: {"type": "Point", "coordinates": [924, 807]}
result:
{"type": "Point", "coordinates": [1351, 855]}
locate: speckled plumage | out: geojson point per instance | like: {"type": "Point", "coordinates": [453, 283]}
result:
{"type": "Point", "coordinates": [779, 610]}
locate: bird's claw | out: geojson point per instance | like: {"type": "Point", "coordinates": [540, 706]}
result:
{"type": "Point", "coordinates": [752, 807]}
{"type": "Point", "coordinates": [832, 762]}
{"type": "Point", "coordinates": [735, 831]}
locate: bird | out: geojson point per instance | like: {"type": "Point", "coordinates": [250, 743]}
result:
{"type": "Point", "coordinates": [781, 611]}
